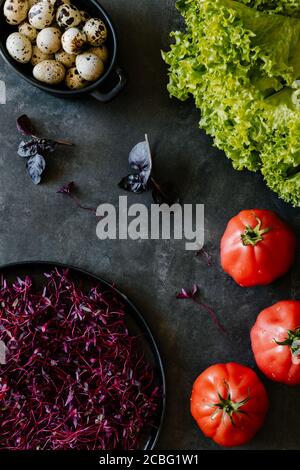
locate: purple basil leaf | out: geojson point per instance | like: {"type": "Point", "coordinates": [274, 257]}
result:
{"type": "Point", "coordinates": [25, 126]}
{"type": "Point", "coordinates": [67, 188]}
{"type": "Point", "coordinates": [46, 145]}
{"type": "Point", "coordinates": [133, 184]}
{"type": "Point", "coordinates": [35, 167]}
{"type": "Point", "coordinates": [27, 148]}
{"type": "Point", "coordinates": [140, 158]}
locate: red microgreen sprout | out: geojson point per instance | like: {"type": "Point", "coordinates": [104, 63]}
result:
{"type": "Point", "coordinates": [68, 189]}
{"type": "Point", "coordinates": [194, 294]}
{"type": "Point", "coordinates": [203, 253]}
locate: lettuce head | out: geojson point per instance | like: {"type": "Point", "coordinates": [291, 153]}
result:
{"type": "Point", "coordinates": [240, 61]}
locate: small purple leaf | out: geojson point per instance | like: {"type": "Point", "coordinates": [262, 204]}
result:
{"type": "Point", "coordinates": [25, 126]}
{"type": "Point", "coordinates": [193, 294]}
{"type": "Point", "coordinates": [70, 397]}
{"type": "Point", "coordinates": [67, 188]}
{"type": "Point", "coordinates": [35, 167]}
{"type": "Point", "coordinates": [205, 254]}
{"type": "Point", "coordinates": [133, 184]}
{"type": "Point", "coordinates": [140, 160]}
{"type": "Point", "coordinates": [27, 148]}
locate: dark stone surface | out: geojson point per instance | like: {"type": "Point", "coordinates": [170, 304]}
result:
{"type": "Point", "coordinates": [38, 224]}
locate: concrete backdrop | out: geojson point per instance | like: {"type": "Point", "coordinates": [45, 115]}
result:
{"type": "Point", "coordinates": [38, 224]}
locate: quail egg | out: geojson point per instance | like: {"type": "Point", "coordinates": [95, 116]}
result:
{"type": "Point", "coordinates": [32, 2]}
{"type": "Point", "coordinates": [84, 16]}
{"type": "Point", "coordinates": [100, 51]}
{"type": "Point", "coordinates": [50, 72]}
{"type": "Point", "coordinates": [48, 40]}
{"type": "Point", "coordinates": [68, 60]}
{"type": "Point", "coordinates": [68, 16]}
{"type": "Point", "coordinates": [29, 31]}
{"type": "Point", "coordinates": [19, 47]}
{"type": "Point", "coordinates": [58, 3]}
{"type": "Point", "coordinates": [41, 14]}
{"type": "Point", "coordinates": [73, 40]}
{"type": "Point", "coordinates": [89, 66]}
{"type": "Point", "coordinates": [39, 56]}
{"type": "Point", "coordinates": [95, 31]}
{"type": "Point", "coordinates": [15, 11]}
{"type": "Point", "coordinates": [73, 80]}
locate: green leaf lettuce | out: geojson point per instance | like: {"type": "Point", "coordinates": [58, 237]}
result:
{"type": "Point", "coordinates": [240, 61]}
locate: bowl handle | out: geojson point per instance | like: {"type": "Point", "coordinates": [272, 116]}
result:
{"type": "Point", "coordinates": [105, 97]}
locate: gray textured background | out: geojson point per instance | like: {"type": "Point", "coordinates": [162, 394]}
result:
{"type": "Point", "coordinates": [38, 224]}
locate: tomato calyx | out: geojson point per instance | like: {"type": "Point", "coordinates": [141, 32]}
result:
{"type": "Point", "coordinates": [230, 407]}
{"type": "Point", "coordinates": [292, 340]}
{"type": "Point", "coordinates": [252, 236]}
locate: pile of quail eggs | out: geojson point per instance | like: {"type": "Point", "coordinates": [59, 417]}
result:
{"type": "Point", "coordinates": [62, 43]}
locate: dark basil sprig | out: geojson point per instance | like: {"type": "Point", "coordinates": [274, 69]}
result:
{"type": "Point", "coordinates": [35, 148]}
{"type": "Point", "coordinates": [142, 179]}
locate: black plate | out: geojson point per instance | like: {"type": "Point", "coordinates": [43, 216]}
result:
{"type": "Point", "coordinates": [135, 321]}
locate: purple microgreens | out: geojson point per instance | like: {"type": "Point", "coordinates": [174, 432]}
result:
{"type": "Point", "coordinates": [194, 294]}
{"type": "Point", "coordinates": [142, 179]}
{"type": "Point", "coordinates": [203, 253]}
{"type": "Point", "coordinates": [73, 378]}
{"type": "Point", "coordinates": [35, 148]}
{"type": "Point", "coordinates": [68, 190]}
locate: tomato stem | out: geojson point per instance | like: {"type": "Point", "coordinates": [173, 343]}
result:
{"type": "Point", "coordinates": [292, 340]}
{"type": "Point", "coordinates": [252, 236]}
{"type": "Point", "coordinates": [230, 407]}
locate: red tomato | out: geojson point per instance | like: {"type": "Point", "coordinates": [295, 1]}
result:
{"type": "Point", "coordinates": [257, 247]}
{"type": "Point", "coordinates": [229, 403]}
{"type": "Point", "coordinates": [275, 339]}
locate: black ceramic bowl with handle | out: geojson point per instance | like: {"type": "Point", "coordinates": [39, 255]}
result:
{"type": "Point", "coordinates": [104, 89]}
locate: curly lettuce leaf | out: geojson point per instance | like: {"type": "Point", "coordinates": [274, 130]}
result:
{"type": "Point", "coordinates": [240, 64]}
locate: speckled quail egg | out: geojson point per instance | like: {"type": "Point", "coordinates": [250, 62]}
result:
{"type": "Point", "coordinates": [41, 15]}
{"type": "Point", "coordinates": [19, 47]}
{"type": "Point", "coordinates": [100, 51]}
{"type": "Point", "coordinates": [89, 66]}
{"type": "Point", "coordinates": [68, 16]}
{"type": "Point", "coordinates": [15, 11]}
{"type": "Point", "coordinates": [58, 3]}
{"type": "Point", "coordinates": [85, 16]}
{"type": "Point", "coordinates": [39, 56]}
{"type": "Point", "coordinates": [48, 40]}
{"type": "Point", "coordinates": [74, 81]}
{"type": "Point", "coordinates": [73, 40]}
{"type": "Point", "coordinates": [50, 72]}
{"type": "Point", "coordinates": [32, 2]}
{"type": "Point", "coordinates": [68, 60]}
{"type": "Point", "coordinates": [95, 31]}
{"type": "Point", "coordinates": [29, 31]}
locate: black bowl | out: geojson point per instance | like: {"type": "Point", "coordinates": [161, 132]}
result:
{"type": "Point", "coordinates": [104, 89]}
{"type": "Point", "coordinates": [136, 323]}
